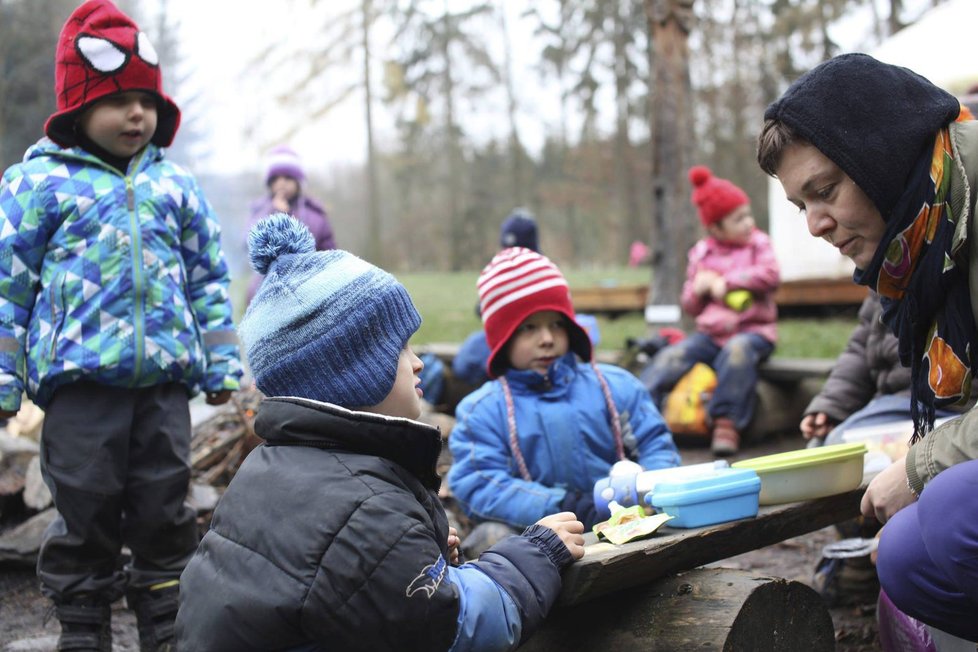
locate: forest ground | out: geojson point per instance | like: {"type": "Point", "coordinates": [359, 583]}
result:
{"type": "Point", "coordinates": [23, 627]}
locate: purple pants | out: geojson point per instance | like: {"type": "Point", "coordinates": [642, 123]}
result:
{"type": "Point", "coordinates": [928, 554]}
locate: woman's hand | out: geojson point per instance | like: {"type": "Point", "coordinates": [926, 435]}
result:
{"type": "Point", "coordinates": [888, 493]}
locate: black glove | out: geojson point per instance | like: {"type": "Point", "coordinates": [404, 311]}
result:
{"type": "Point", "coordinates": [582, 504]}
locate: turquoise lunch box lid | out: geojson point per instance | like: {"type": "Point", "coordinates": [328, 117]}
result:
{"type": "Point", "coordinates": [724, 483]}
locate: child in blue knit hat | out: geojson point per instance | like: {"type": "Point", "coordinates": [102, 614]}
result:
{"type": "Point", "coordinates": [331, 535]}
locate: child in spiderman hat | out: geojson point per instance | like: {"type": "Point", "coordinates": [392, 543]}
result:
{"type": "Point", "coordinates": [114, 311]}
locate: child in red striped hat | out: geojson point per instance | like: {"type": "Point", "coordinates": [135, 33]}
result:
{"type": "Point", "coordinates": [550, 423]}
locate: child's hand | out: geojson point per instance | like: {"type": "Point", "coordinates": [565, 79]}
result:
{"type": "Point", "coordinates": [817, 424]}
{"type": "Point", "coordinates": [718, 288]}
{"type": "Point", "coordinates": [703, 281]}
{"type": "Point", "coordinates": [218, 398]}
{"type": "Point", "coordinates": [453, 544]}
{"type": "Point", "coordinates": [569, 529]}
{"type": "Point", "coordinates": [280, 203]}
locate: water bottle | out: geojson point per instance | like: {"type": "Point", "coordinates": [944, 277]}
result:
{"type": "Point", "coordinates": [627, 484]}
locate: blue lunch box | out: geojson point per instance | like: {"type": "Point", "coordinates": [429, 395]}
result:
{"type": "Point", "coordinates": [726, 495]}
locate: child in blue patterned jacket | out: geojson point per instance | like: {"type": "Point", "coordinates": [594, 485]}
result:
{"type": "Point", "coordinates": [114, 311]}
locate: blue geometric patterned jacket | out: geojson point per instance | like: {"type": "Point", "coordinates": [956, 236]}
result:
{"type": "Point", "coordinates": [110, 278]}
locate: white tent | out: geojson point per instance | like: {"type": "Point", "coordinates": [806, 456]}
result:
{"type": "Point", "coordinates": [941, 47]}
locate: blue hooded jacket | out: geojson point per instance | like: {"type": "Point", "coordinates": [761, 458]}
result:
{"type": "Point", "coordinates": [564, 433]}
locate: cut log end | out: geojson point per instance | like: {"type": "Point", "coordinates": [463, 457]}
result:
{"type": "Point", "coordinates": [704, 609]}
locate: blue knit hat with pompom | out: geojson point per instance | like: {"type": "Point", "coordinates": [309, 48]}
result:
{"type": "Point", "coordinates": [324, 325]}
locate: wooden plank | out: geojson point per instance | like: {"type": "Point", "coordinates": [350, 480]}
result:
{"type": "Point", "coordinates": [775, 369]}
{"type": "Point", "coordinates": [446, 352]}
{"type": "Point", "coordinates": [819, 292]}
{"type": "Point", "coordinates": [618, 299]}
{"type": "Point", "coordinates": [604, 571]}
{"type": "Point", "coordinates": [792, 370]}
{"type": "Point", "coordinates": [611, 299]}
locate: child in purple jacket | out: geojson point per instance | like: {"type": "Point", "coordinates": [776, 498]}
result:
{"type": "Point", "coordinates": [284, 177]}
{"type": "Point", "coordinates": [731, 277]}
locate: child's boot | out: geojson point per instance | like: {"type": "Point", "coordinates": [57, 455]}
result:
{"type": "Point", "coordinates": [156, 613]}
{"type": "Point", "coordinates": [726, 439]}
{"type": "Point", "coordinates": [86, 624]}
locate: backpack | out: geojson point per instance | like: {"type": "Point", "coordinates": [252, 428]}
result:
{"type": "Point", "coordinates": [685, 407]}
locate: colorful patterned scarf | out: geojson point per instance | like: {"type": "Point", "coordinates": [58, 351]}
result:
{"type": "Point", "coordinates": [918, 272]}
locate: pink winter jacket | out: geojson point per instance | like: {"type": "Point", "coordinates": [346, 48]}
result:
{"type": "Point", "coordinates": [751, 267]}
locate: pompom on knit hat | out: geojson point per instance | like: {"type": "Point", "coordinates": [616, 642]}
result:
{"type": "Point", "coordinates": [101, 52]}
{"type": "Point", "coordinates": [519, 229]}
{"type": "Point", "coordinates": [516, 283]}
{"type": "Point", "coordinates": [283, 161]}
{"type": "Point", "coordinates": [872, 119]}
{"type": "Point", "coordinates": [714, 198]}
{"type": "Point", "coordinates": [324, 325]}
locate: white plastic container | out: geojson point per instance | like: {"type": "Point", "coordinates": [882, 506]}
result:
{"type": "Point", "coordinates": [807, 473]}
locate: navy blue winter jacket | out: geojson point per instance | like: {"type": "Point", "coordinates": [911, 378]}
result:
{"type": "Point", "coordinates": [331, 536]}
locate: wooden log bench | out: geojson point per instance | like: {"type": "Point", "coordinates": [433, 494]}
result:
{"type": "Point", "coordinates": [776, 370]}
{"type": "Point", "coordinates": [785, 388]}
{"type": "Point", "coordinates": [652, 594]}
{"type": "Point", "coordinates": [617, 300]}
{"type": "Point", "coordinates": [703, 609]}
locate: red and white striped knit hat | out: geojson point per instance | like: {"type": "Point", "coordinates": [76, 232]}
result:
{"type": "Point", "coordinates": [516, 283]}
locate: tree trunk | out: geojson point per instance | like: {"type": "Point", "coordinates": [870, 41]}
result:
{"type": "Point", "coordinates": [627, 202]}
{"type": "Point", "coordinates": [672, 146]}
{"type": "Point", "coordinates": [453, 158]}
{"type": "Point", "coordinates": [703, 609]}
{"type": "Point", "coordinates": [896, 6]}
{"type": "Point", "coordinates": [374, 244]}
{"type": "Point", "coordinates": [515, 146]}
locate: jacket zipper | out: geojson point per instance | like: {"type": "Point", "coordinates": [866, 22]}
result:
{"type": "Point", "coordinates": [55, 314]}
{"type": "Point", "coordinates": [136, 249]}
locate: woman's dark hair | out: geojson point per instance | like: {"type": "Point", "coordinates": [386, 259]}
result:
{"type": "Point", "coordinates": [774, 138]}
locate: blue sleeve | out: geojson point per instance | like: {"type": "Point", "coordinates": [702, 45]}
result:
{"type": "Point", "coordinates": [508, 592]}
{"type": "Point", "coordinates": [483, 477]}
{"type": "Point", "coordinates": [25, 227]}
{"type": "Point", "coordinates": [488, 618]}
{"type": "Point", "coordinates": [469, 363]}
{"type": "Point", "coordinates": [643, 425]}
{"type": "Point", "coordinates": [208, 280]}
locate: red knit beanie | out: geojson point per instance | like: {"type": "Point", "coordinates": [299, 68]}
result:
{"type": "Point", "coordinates": [101, 52]}
{"type": "Point", "coordinates": [516, 283]}
{"type": "Point", "coordinates": [714, 197]}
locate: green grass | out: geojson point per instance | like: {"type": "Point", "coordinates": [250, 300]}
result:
{"type": "Point", "coordinates": [447, 304]}
{"type": "Point", "coordinates": [823, 337]}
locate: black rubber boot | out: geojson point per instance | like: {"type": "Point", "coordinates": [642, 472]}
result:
{"type": "Point", "coordinates": [156, 613]}
{"type": "Point", "coordinates": [86, 624]}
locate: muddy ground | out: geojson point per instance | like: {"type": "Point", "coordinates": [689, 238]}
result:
{"type": "Point", "coordinates": [24, 627]}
